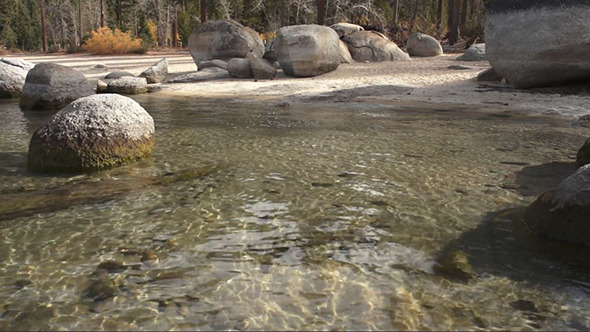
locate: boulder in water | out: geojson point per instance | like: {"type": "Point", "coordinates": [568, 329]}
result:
{"type": "Point", "coordinates": [93, 133]}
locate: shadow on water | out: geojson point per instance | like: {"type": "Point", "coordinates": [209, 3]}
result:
{"type": "Point", "coordinates": [501, 245]}
{"type": "Point", "coordinates": [537, 179]}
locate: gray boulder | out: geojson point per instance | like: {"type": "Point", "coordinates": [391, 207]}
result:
{"type": "Point", "coordinates": [583, 156]}
{"type": "Point", "coordinates": [489, 75]}
{"type": "Point", "coordinates": [215, 63]}
{"type": "Point", "coordinates": [307, 50]}
{"type": "Point", "coordinates": [345, 56]}
{"type": "Point", "coordinates": [118, 74]}
{"type": "Point", "coordinates": [528, 42]}
{"type": "Point", "coordinates": [368, 46]}
{"type": "Point", "coordinates": [269, 51]}
{"type": "Point", "coordinates": [13, 73]}
{"type": "Point", "coordinates": [224, 40]}
{"type": "Point", "coordinates": [128, 86]}
{"type": "Point", "coordinates": [475, 52]}
{"type": "Point", "coordinates": [157, 72]}
{"type": "Point", "coordinates": [239, 68]}
{"type": "Point", "coordinates": [50, 86]}
{"type": "Point", "coordinates": [423, 45]}
{"type": "Point", "coordinates": [345, 29]}
{"type": "Point", "coordinates": [93, 133]}
{"type": "Point", "coordinates": [261, 68]}
{"type": "Point", "coordinates": [563, 213]}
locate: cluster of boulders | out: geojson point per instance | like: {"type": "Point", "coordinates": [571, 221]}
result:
{"type": "Point", "coordinates": [299, 50]}
{"type": "Point", "coordinates": [91, 132]}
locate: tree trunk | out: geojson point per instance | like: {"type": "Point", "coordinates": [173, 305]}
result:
{"type": "Point", "coordinates": [43, 27]}
{"type": "Point", "coordinates": [203, 11]}
{"type": "Point", "coordinates": [175, 30]}
{"type": "Point", "coordinates": [247, 5]}
{"type": "Point", "coordinates": [321, 12]}
{"type": "Point", "coordinates": [101, 14]}
{"type": "Point", "coordinates": [454, 21]}
{"type": "Point", "coordinates": [439, 18]}
{"type": "Point", "coordinates": [80, 21]}
{"type": "Point", "coordinates": [414, 15]}
{"type": "Point", "coordinates": [464, 13]}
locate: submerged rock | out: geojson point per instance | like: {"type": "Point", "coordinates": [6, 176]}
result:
{"type": "Point", "coordinates": [101, 286]}
{"type": "Point", "coordinates": [563, 213]}
{"type": "Point", "coordinates": [51, 86]}
{"type": "Point", "coordinates": [93, 133]}
{"type": "Point", "coordinates": [454, 264]}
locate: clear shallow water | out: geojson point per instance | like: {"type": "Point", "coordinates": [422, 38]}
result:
{"type": "Point", "coordinates": [301, 217]}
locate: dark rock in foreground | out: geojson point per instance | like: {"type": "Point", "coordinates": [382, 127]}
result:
{"type": "Point", "coordinates": [563, 214]}
{"type": "Point", "coordinates": [50, 87]}
{"type": "Point", "coordinates": [93, 133]}
{"type": "Point", "coordinates": [535, 43]}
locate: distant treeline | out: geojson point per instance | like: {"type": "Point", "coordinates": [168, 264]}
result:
{"type": "Point", "coordinates": [64, 25]}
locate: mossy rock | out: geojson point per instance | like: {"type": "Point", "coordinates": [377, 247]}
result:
{"type": "Point", "coordinates": [93, 133]}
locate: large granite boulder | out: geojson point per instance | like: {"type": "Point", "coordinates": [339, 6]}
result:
{"type": "Point", "coordinates": [157, 72]}
{"type": "Point", "coordinates": [368, 46]}
{"type": "Point", "coordinates": [13, 73]}
{"type": "Point", "coordinates": [307, 50]}
{"type": "Point", "coordinates": [563, 214]}
{"type": "Point", "coordinates": [420, 44]}
{"type": "Point", "coordinates": [261, 68]}
{"type": "Point", "coordinates": [224, 40]}
{"type": "Point", "coordinates": [475, 52]}
{"type": "Point", "coordinates": [93, 133]}
{"type": "Point", "coordinates": [345, 56]}
{"type": "Point", "coordinates": [50, 86]}
{"type": "Point", "coordinates": [128, 85]}
{"type": "Point", "coordinates": [537, 43]}
{"type": "Point", "coordinates": [583, 156]}
{"type": "Point", "coordinates": [239, 68]}
{"type": "Point", "coordinates": [345, 29]}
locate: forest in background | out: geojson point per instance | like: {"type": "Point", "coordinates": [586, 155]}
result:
{"type": "Point", "coordinates": [64, 25]}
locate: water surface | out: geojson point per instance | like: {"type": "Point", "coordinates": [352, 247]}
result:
{"type": "Point", "coordinates": [309, 216]}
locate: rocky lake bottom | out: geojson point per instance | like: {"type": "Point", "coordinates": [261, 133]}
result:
{"type": "Point", "coordinates": [310, 216]}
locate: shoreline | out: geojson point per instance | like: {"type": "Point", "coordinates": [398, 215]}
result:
{"type": "Point", "coordinates": [429, 81]}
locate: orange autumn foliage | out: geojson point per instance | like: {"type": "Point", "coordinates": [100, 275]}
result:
{"type": "Point", "coordinates": [105, 41]}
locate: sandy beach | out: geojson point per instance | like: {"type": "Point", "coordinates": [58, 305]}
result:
{"type": "Point", "coordinates": [433, 80]}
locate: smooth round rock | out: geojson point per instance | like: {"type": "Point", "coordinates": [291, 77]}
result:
{"type": "Point", "coordinates": [128, 85]}
{"type": "Point", "coordinates": [93, 133]}
{"type": "Point", "coordinates": [370, 46]}
{"type": "Point", "coordinates": [423, 45]}
{"type": "Point", "coordinates": [13, 73]}
{"type": "Point", "coordinates": [307, 50]}
{"type": "Point", "coordinates": [50, 86]}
